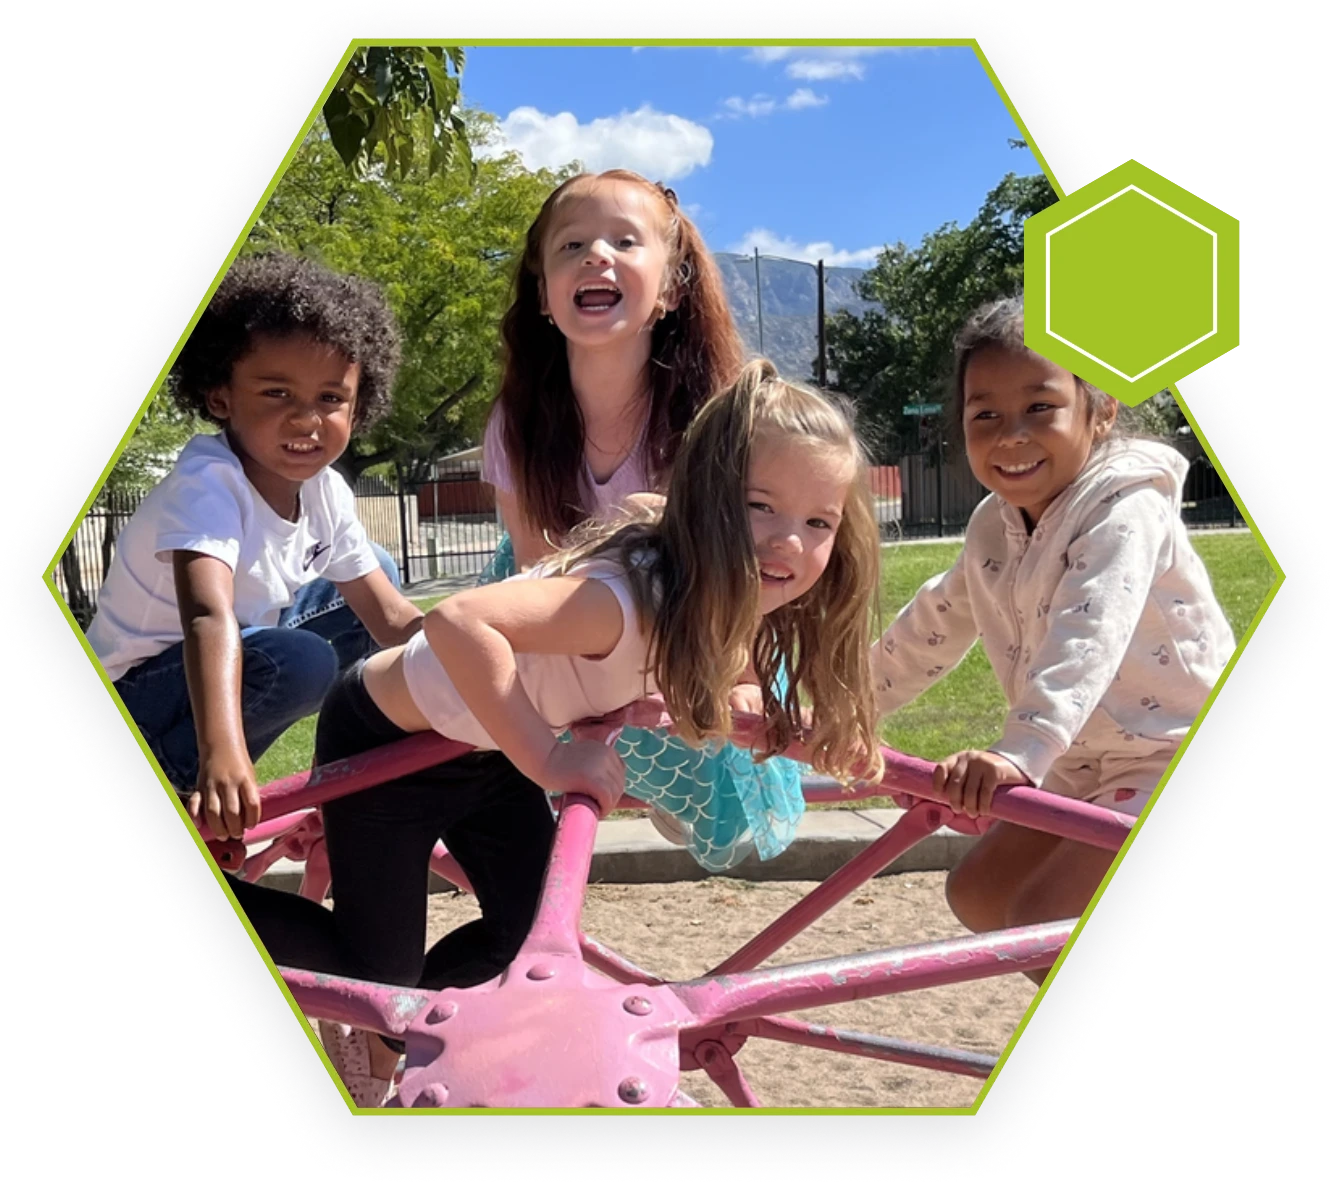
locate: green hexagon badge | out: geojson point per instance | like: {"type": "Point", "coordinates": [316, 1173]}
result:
{"type": "Point", "coordinates": [1131, 282]}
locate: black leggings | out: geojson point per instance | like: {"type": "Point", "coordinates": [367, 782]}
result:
{"type": "Point", "coordinates": [495, 822]}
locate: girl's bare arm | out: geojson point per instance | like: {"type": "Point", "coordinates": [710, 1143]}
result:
{"type": "Point", "coordinates": [477, 634]}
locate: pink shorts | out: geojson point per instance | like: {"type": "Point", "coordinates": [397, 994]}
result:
{"type": "Point", "coordinates": [1112, 780]}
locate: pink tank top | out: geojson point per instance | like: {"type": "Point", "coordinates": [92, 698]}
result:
{"type": "Point", "coordinates": [628, 478]}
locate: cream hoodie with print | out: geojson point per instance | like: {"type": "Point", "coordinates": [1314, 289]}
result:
{"type": "Point", "coordinates": [1100, 625]}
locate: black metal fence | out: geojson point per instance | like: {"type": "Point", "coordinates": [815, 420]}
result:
{"type": "Point", "coordinates": [444, 526]}
{"type": "Point", "coordinates": [83, 565]}
{"type": "Point", "coordinates": [451, 526]}
{"type": "Point", "coordinates": [441, 527]}
{"type": "Point", "coordinates": [938, 492]}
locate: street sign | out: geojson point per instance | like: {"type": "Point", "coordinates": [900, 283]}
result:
{"type": "Point", "coordinates": [924, 408]}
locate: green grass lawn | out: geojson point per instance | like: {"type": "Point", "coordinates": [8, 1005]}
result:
{"type": "Point", "coordinates": [966, 708]}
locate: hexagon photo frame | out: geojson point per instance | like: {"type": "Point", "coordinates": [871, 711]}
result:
{"type": "Point", "coordinates": [262, 1009]}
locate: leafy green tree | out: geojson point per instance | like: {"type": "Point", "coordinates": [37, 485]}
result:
{"type": "Point", "coordinates": [402, 100]}
{"type": "Point", "coordinates": [900, 352]}
{"type": "Point", "coordinates": [162, 432]}
{"type": "Point", "coordinates": [443, 248]}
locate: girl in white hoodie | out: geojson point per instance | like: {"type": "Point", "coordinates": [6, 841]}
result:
{"type": "Point", "coordinates": [1094, 610]}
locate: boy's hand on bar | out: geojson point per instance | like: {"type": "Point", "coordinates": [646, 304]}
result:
{"type": "Point", "coordinates": [227, 795]}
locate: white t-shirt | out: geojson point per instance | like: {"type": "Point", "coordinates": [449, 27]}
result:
{"type": "Point", "coordinates": [207, 505]}
{"type": "Point", "coordinates": [562, 688]}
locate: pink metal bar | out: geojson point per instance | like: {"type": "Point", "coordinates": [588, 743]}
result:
{"type": "Point", "coordinates": [868, 1046]}
{"type": "Point", "coordinates": [340, 778]}
{"type": "Point", "coordinates": [385, 1009]}
{"type": "Point", "coordinates": [764, 992]}
{"type": "Point", "coordinates": [615, 966]}
{"type": "Point", "coordinates": [719, 1064]}
{"type": "Point", "coordinates": [1027, 807]}
{"type": "Point", "coordinates": [599, 956]}
{"type": "Point", "coordinates": [300, 836]}
{"type": "Point", "coordinates": [316, 880]}
{"type": "Point", "coordinates": [559, 915]}
{"type": "Point", "coordinates": [909, 831]}
{"type": "Point", "coordinates": [571, 1023]}
{"type": "Point", "coordinates": [276, 827]}
{"type": "Point", "coordinates": [229, 855]}
{"type": "Point", "coordinates": [556, 928]}
{"type": "Point", "coordinates": [257, 865]}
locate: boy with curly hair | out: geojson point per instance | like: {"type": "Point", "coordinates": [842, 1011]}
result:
{"type": "Point", "coordinates": [244, 582]}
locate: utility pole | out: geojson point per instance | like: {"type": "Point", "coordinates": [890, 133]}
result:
{"type": "Point", "coordinates": [757, 272]}
{"type": "Point", "coordinates": [821, 325]}
{"type": "Point", "coordinates": [405, 569]}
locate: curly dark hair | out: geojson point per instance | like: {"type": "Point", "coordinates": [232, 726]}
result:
{"type": "Point", "coordinates": [283, 295]}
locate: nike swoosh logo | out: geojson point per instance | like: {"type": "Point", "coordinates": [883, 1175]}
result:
{"type": "Point", "coordinates": [314, 551]}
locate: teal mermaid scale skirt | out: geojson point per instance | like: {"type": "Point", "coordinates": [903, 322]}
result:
{"type": "Point", "coordinates": [502, 564]}
{"type": "Point", "coordinates": [729, 803]}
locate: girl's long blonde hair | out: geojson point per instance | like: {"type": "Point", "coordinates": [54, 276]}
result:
{"type": "Point", "coordinates": [694, 574]}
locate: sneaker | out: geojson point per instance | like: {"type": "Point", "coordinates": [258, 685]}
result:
{"type": "Point", "coordinates": [670, 827]}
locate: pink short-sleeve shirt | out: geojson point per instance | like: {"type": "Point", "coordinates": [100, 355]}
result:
{"type": "Point", "coordinates": [628, 478]}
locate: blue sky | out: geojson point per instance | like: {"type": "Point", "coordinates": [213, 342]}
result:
{"type": "Point", "coordinates": [805, 152]}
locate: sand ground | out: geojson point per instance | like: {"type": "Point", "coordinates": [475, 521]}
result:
{"type": "Point", "coordinates": [680, 930]}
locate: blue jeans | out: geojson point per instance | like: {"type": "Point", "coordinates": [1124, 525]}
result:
{"type": "Point", "coordinates": [286, 671]}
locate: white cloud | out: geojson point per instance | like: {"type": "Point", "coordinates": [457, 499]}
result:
{"type": "Point", "coordinates": [768, 53]}
{"type": "Point", "coordinates": [824, 69]}
{"type": "Point", "coordinates": [660, 146]}
{"type": "Point", "coordinates": [735, 107]}
{"type": "Point", "coordinates": [758, 105]}
{"type": "Point", "coordinates": [820, 63]}
{"type": "Point", "coordinates": [774, 53]}
{"type": "Point", "coordinates": [803, 97]}
{"type": "Point", "coordinates": [767, 243]}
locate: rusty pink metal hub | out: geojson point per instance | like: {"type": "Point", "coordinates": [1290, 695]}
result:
{"type": "Point", "coordinates": [550, 1032]}
{"type": "Point", "coordinates": [571, 1023]}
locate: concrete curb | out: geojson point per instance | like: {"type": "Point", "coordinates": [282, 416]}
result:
{"type": "Point", "coordinates": [631, 851]}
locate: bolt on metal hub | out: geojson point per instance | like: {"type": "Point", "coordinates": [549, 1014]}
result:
{"type": "Point", "coordinates": [633, 1090]}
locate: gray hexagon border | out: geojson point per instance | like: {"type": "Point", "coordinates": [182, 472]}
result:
{"type": "Point", "coordinates": [144, 822]}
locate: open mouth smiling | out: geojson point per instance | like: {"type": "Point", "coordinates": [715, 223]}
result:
{"type": "Point", "coordinates": [597, 297]}
{"type": "Point", "coordinates": [1019, 471]}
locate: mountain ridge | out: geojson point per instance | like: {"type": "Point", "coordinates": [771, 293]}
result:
{"type": "Point", "coordinates": [789, 306]}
